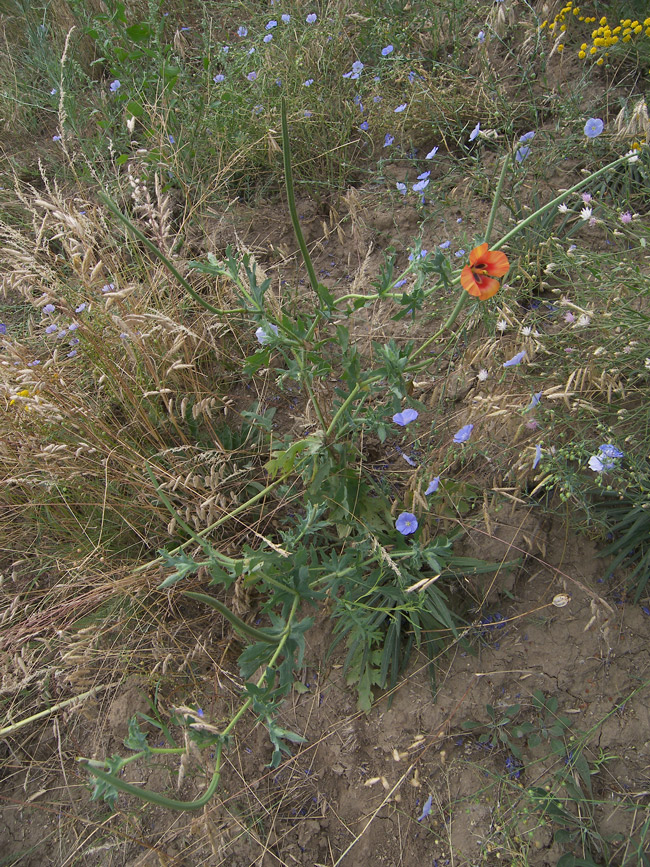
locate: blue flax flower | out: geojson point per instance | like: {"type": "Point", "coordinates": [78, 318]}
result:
{"type": "Point", "coordinates": [426, 809]}
{"type": "Point", "coordinates": [242, 31]}
{"type": "Point", "coordinates": [538, 455]}
{"type": "Point", "coordinates": [432, 153]}
{"type": "Point", "coordinates": [115, 85]}
{"type": "Point", "coordinates": [311, 18]}
{"type": "Point", "coordinates": [386, 51]}
{"type": "Point", "coordinates": [433, 486]}
{"type": "Point", "coordinates": [271, 25]}
{"type": "Point", "coordinates": [364, 126]}
{"type": "Point", "coordinates": [406, 417]}
{"type": "Point", "coordinates": [388, 140]}
{"type": "Point", "coordinates": [522, 153]}
{"type": "Point", "coordinates": [420, 186]}
{"type": "Point", "coordinates": [462, 435]}
{"type": "Point", "coordinates": [475, 131]}
{"type": "Point", "coordinates": [401, 188]}
{"type": "Point", "coordinates": [286, 18]}
{"type": "Point", "coordinates": [400, 108]}
{"type": "Point", "coordinates": [219, 77]}
{"type": "Point", "coordinates": [515, 360]}
{"type": "Point", "coordinates": [594, 127]}
{"type": "Point", "coordinates": [610, 450]}
{"type": "Point", "coordinates": [406, 523]}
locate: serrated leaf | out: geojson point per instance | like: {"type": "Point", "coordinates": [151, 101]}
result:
{"type": "Point", "coordinates": [139, 32]}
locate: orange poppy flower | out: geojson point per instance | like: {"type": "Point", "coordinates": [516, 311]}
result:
{"type": "Point", "coordinates": [477, 278]}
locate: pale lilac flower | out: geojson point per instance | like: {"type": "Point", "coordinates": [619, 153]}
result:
{"type": "Point", "coordinates": [569, 317]}
{"type": "Point", "coordinates": [420, 186]}
{"type": "Point", "coordinates": [62, 334]}
{"type": "Point", "coordinates": [108, 287]}
{"type": "Point", "coordinates": [475, 131]}
{"type": "Point", "coordinates": [286, 18]}
{"type": "Point", "coordinates": [535, 400]}
{"type": "Point", "coordinates": [481, 36]}
{"type": "Point", "coordinates": [406, 417]}
{"type": "Point", "coordinates": [49, 308]}
{"type": "Point", "coordinates": [242, 31]}
{"type": "Point", "coordinates": [252, 76]}
{"type": "Point", "coordinates": [263, 335]}
{"type": "Point", "coordinates": [515, 360]}
{"type": "Point", "coordinates": [51, 328]}
{"type": "Point", "coordinates": [386, 51]}
{"type": "Point", "coordinates": [73, 326]}
{"type": "Point", "coordinates": [400, 108]}
{"type": "Point", "coordinates": [423, 176]}
{"type": "Point", "coordinates": [538, 456]}
{"type": "Point", "coordinates": [308, 113]}
{"type": "Point", "coordinates": [53, 92]}
{"type": "Point", "coordinates": [355, 72]}
{"type": "Point", "coordinates": [72, 353]}
{"type": "Point", "coordinates": [406, 523]}
{"type": "Point", "coordinates": [308, 82]}
{"type": "Point", "coordinates": [409, 460]}
{"type": "Point", "coordinates": [626, 217]}
{"type": "Point", "coordinates": [268, 38]}
{"type": "Point", "coordinates": [586, 198]}
{"type": "Point", "coordinates": [594, 127]}
{"type": "Point", "coordinates": [527, 136]}
{"type": "Point", "coordinates": [598, 465]}
{"type": "Point", "coordinates": [311, 18]}
{"type": "Point", "coordinates": [433, 486]}
{"type": "Point", "coordinates": [462, 435]}
{"type": "Point", "coordinates": [399, 284]}
{"type": "Point", "coordinates": [426, 810]}
{"type": "Point", "coordinates": [80, 308]}
{"type": "Point", "coordinates": [74, 341]}
{"type": "Point", "coordinates": [219, 77]}
{"type": "Point", "coordinates": [522, 153]}
{"type": "Point", "coordinates": [444, 245]}
{"type": "Point", "coordinates": [610, 450]}
{"type": "Point", "coordinates": [432, 153]}
{"type": "Point", "coordinates": [271, 25]}
{"type": "Point", "coordinates": [401, 188]}
{"type": "Point", "coordinates": [482, 375]}
{"type": "Point", "coordinates": [115, 85]}
{"type": "Point", "coordinates": [56, 138]}
{"type": "Point", "coordinates": [388, 140]}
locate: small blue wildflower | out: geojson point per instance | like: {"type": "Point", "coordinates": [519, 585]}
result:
{"type": "Point", "coordinates": [406, 523]}
{"type": "Point", "coordinates": [219, 77]}
{"type": "Point", "coordinates": [172, 140]}
{"type": "Point", "coordinates": [73, 326]}
{"type": "Point", "coordinates": [268, 38]}
{"type": "Point", "coordinates": [481, 36]}
{"type": "Point", "coordinates": [522, 153]}
{"type": "Point", "coordinates": [598, 465]}
{"type": "Point", "coordinates": [34, 362]}
{"type": "Point", "coordinates": [433, 486]}
{"type": "Point", "coordinates": [271, 25]}
{"type": "Point", "coordinates": [355, 72]}
{"type": "Point", "coordinates": [56, 138]}
{"type": "Point", "coordinates": [594, 127]}
{"type": "Point", "coordinates": [251, 50]}
{"type": "Point", "coordinates": [49, 308]}
{"type": "Point", "coordinates": [51, 328]}
{"type": "Point", "coordinates": [377, 99]}
{"type": "Point", "coordinates": [3, 328]}
{"type": "Point", "coordinates": [459, 253]}
{"type": "Point", "coordinates": [108, 287]}
{"type": "Point", "coordinates": [475, 131]}
{"type": "Point", "coordinates": [388, 140]}
{"type": "Point", "coordinates": [421, 185]}
{"type": "Point", "coordinates": [364, 126]}
{"type": "Point", "coordinates": [286, 18]}
{"type": "Point", "coordinates": [610, 450]}
{"type": "Point", "coordinates": [527, 136]}
{"type": "Point", "coordinates": [258, 109]}
{"type": "Point", "coordinates": [412, 77]}
{"type": "Point", "coordinates": [401, 188]}
{"type": "Point", "coordinates": [308, 82]}
{"type": "Point", "coordinates": [515, 360]}
{"type": "Point", "coordinates": [400, 108]}
{"type": "Point", "coordinates": [426, 810]}
{"type": "Point", "coordinates": [311, 18]}
{"type": "Point", "coordinates": [200, 712]}
{"type": "Point", "coordinates": [308, 113]}
{"type": "Point", "coordinates": [114, 86]}
{"type": "Point", "coordinates": [409, 460]}
{"type": "Point", "coordinates": [406, 417]}
{"type": "Point", "coordinates": [432, 153]}
{"type": "Point", "coordinates": [242, 31]}
{"type": "Point", "coordinates": [444, 245]}
{"type": "Point", "coordinates": [421, 255]}
{"type": "Point", "coordinates": [538, 455]}
{"type": "Point", "coordinates": [262, 334]}
{"type": "Point", "coordinates": [423, 176]}
{"type": "Point", "coordinates": [386, 51]}
{"type": "Point", "coordinates": [72, 353]}
{"type": "Point", "coordinates": [74, 341]}
{"type": "Point", "coordinates": [62, 334]}
{"type": "Point", "coordinates": [535, 400]}
{"type": "Point", "coordinates": [226, 49]}
{"type": "Point", "coordinates": [399, 284]}
{"type": "Point", "coordinates": [53, 92]}
{"type": "Point", "coordinates": [252, 76]}
{"type": "Point", "coordinates": [80, 308]}
{"type": "Point", "coordinates": [462, 435]}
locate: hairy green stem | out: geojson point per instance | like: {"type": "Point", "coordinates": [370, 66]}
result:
{"type": "Point", "coordinates": [496, 199]}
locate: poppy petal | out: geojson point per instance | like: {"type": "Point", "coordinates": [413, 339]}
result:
{"type": "Point", "coordinates": [496, 263]}
{"type": "Point", "coordinates": [468, 281]}
{"type": "Point", "coordinates": [478, 253]}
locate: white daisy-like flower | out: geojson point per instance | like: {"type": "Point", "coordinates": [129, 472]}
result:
{"type": "Point", "coordinates": [585, 213]}
{"type": "Point", "coordinates": [482, 375]}
{"type": "Point", "coordinates": [502, 325]}
{"type": "Point", "coordinates": [527, 331]}
{"type": "Point", "coordinates": [562, 208]}
{"type": "Point", "coordinates": [583, 320]}
{"type": "Point", "coordinates": [632, 156]}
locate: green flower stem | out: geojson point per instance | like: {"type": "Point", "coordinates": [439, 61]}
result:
{"type": "Point", "coordinates": [251, 502]}
{"type": "Point", "coordinates": [14, 727]}
{"type": "Point", "coordinates": [557, 201]}
{"type": "Point", "coordinates": [237, 623]}
{"type": "Point", "coordinates": [288, 179]}
{"type": "Point", "coordinates": [310, 391]}
{"type": "Point", "coordinates": [199, 803]}
{"type": "Point", "coordinates": [497, 198]}
{"type": "Point", "coordinates": [112, 207]}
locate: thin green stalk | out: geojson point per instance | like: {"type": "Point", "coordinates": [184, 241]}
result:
{"type": "Point", "coordinates": [112, 207]}
{"type": "Point", "coordinates": [14, 727]}
{"type": "Point", "coordinates": [237, 623]}
{"type": "Point", "coordinates": [288, 179]}
{"type": "Point", "coordinates": [497, 198]}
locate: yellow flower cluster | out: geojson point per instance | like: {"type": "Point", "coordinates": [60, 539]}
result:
{"type": "Point", "coordinates": [602, 38]}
